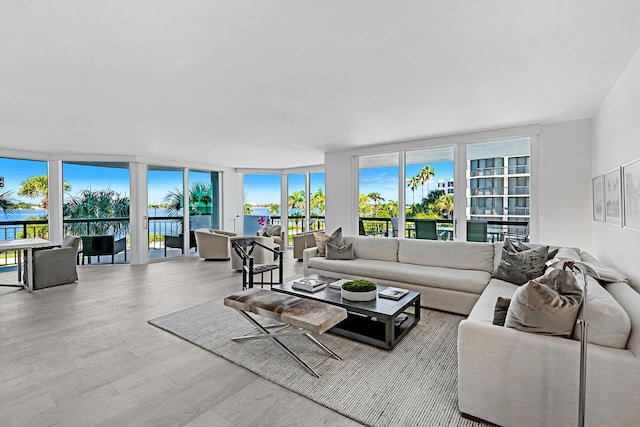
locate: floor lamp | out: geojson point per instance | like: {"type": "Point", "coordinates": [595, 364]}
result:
{"type": "Point", "coordinates": [587, 271]}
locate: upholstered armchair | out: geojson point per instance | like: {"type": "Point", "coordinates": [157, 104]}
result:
{"type": "Point", "coordinates": [56, 266]}
{"type": "Point", "coordinates": [213, 244]}
{"type": "Point", "coordinates": [302, 241]}
{"type": "Point", "coordinates": [279, 237]}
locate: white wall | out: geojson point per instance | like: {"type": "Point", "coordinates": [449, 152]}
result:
{"type": "Point", "coordinates": [563, 178]}
{"type": "Point", "coordinates": [561, 165]}
{"type": "Point", "coordinates": [616, 131]}
{"type": "Point", "coordinates": [232, 201]}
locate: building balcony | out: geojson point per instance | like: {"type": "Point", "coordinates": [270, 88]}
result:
{"type": "Point", "coordinates": [487, 171]}
{"type": "Point", "coordinates": [517, 211]}
{"type": "Point", "coordinates": [519, 190]}
{"type": "Point", "coordinates": [481, 210]}
{"type": "Point", "coordinates": [519, 169]}
{"type": "Point", "coordinates": [496, 191]}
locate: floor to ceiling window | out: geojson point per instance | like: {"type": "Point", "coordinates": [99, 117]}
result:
{"type": "Point", "coordinates": [23, 202]}
{"type": "Point", "coordinates": [261, 200]}
{"type": "Point", "coordinates": [429, 175]}
{"type": "Point", "coordinates": [166, 209]}
{"type": "Point", "coordinates": [96, 203]}
{"type": "Point", "coordinates": [378, 194]}
{"type": "Point", "coordinates": [204, 200]}
{"type": "Point", "coordinates": [499, 181]}
{"type": "Point", "coordinates": [316, 201]}
{"type": "Point", "coordinates": [296, 203]}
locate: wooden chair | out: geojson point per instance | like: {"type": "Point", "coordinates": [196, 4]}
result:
{"type": "Point", "coordinates": [426, 229]}
{"type": "Point", "coordinates": [244, 250]}
{"type": "Point", "coordinates": [102, 245]}
{"type": "Point", "coordinates": [476, 231]}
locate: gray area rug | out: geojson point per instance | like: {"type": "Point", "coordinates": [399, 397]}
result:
{"type": "Point", "coordinates": [413, 385]}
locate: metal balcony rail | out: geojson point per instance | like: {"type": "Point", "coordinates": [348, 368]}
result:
{"type": "Point", "coordinates": [481, 210]}
{"type": "Point", "coordinates": [497, 170]}
{"type": "Point", "coordinates": [518, 169]}
{"type": "Point", "coordinates": [519, 190]}
{"type": "Point", "coordinates": [494, 191]}
{"type": "Point", "coordinates": [517, 211]}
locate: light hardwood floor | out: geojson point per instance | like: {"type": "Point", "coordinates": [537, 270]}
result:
{"type": "Point", "coordinates": [84, 354]}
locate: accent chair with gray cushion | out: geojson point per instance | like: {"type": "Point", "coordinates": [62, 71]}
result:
{"type": "Point", "coordinates": [213, 244]}
{"type": "Point", "coordinates": [56, 266]}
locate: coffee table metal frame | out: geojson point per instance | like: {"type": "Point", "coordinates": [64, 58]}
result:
{"type": "Point", "coordinates": [371, 322]}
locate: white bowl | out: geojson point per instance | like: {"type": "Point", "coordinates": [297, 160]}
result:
{"type": "Point", "coordinates": [359, 296]}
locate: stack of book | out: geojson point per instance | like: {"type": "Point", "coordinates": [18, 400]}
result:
{"type": "Point", "coordinates": [393, 293]}
{"type": "Point", "coordinates": [308, 285]}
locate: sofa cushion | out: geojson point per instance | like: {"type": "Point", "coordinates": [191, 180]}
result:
{"type": "Point", "coordinates": [459, 255]}
{"type": "Point", "coordinates": [609, 324]}
{"type": "Point", "coordinates": [322, 239]}
{"type": "Point", "coordinates": [340, 252]}
{"type": "Point", "coordinates": [380, 248]}
{"type": "Point", "coordinates": [547, 305]}
{"type": "Point", "coordinates": [472, 281]}
{"type": "Point", "coordinates": [519, 267]}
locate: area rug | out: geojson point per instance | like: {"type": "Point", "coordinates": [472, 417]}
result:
{"type": "Point", "coordinates": [413, 385]}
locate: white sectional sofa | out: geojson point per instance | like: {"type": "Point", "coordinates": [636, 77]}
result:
{"type": "Point", "coordinates": [506, 376]}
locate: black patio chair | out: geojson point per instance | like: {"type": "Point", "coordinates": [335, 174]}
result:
{"type": "Point", "coordinates": [102, 245]}
{"type": "Point", "coordinates": [245, 249]}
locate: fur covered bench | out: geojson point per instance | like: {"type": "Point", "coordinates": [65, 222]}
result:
{"type": "Point", "coordinates": [302, 315]}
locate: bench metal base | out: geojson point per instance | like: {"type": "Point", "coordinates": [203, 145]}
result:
{"type": "Point", "coordinates": [263, 332]}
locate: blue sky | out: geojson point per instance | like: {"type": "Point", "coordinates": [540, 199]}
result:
{"type": "Point", "coordinates": [259, 189]}
{"type": "Point", "coordinates": [385, 180]}
{"type": "Point", "coordinates": [264, 189]}
{"type": "Point", "coordinates": [81, 177]}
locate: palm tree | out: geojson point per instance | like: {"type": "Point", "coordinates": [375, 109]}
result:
{"type": "Point", "coordinates": [444, 205]}
{"type": "Point", "coordinates": [199, 199]}
{"type": "Point", "coordinates": [38, 186]}
{"type": "Point", "coordinates": [317, 201]}
{"type": "Point", "coordinates": [273, 208]}
{"type": "Point", "coordinates": [376, 197]}
{"type": "Point", "coordinates": [364, 207]}
{"type": "Point", "coordinates": [6, 202]}
{"type": "Point", "coordinates": [413, 185]}
{"type": "Point", "coordinates": [424, 176]}
{"type": "Point", "coordinates": [296, 200]}
{"type": "Point", "coordinates": [98, 204]}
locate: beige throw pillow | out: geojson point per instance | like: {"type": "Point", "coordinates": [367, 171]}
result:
{"type": "Point", "coordinates": [322, 239]}
{"type": "Point", "coordinates": [546, 305]}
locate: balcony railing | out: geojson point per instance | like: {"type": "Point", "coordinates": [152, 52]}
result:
{"type": "Point", "coordinates": [519, 190]}
{"type": "Point", "coordinates": [518, 169]}
{"type": "Point", "coordinates": [481, 210]}
{"type": "Point", "coordinates": [495, 191]}
{"type": "Point", "coordinates": [498, 170]}
{"type": "Point", "coordinates": [517, 211]}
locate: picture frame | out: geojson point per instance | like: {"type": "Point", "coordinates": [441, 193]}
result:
{"type": "Point", "coordinates": [631, 195]}
{"type": "Point", "coordinates": [597, 189]}
{"type": "Point", "coordinates": [613, 197]}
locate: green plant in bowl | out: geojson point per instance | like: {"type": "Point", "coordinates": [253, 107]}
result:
{"type": "Point", "coordinates": [360, 285]}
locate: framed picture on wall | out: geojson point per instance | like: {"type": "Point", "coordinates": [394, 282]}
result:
{"type": "Point", "coordinates": [631, 192]}
{"type": "Point", "coordinates": [613, 197]}
{"type": "Point", "coordinates": [597, 189]}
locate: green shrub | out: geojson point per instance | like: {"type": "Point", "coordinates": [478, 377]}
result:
{"type": "Point", "coordinates": [360, 285]}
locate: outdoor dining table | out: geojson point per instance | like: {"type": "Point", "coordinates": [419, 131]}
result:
{"type": "Point", "coordinates": [19, 246]}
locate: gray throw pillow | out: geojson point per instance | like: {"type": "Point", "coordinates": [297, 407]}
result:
{"type": "Point", "coordinates": [520, 267]}
{"type": "Point", "coordinates": [322, 239]}
{"type": "Point", "coordinates": [519, 247]}
{"type": "Point", "coordinates": [547, 305]}
{"type": "Point", "coordinates": [500, 311]}
{"type": "Point", "coordinates": [340, 252]}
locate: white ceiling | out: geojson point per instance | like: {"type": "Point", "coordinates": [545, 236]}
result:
{"type": "Point", "coordinates": [277, 83]}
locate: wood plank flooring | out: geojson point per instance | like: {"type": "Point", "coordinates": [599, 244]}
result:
{"type": "Point", "coordinates": [84, 354]}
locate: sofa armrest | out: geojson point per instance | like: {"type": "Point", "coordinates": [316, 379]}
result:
{"type": "Point", "coordinates": [506, 375]}
{"type": "Point", "coordinates": [306, 255]}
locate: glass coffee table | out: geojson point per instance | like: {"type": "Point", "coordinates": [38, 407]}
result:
{"type": "Point", "coordinates": [381, 322]}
